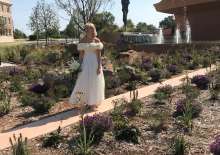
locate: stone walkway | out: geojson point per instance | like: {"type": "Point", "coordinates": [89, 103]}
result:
{"type": "Point", "coordinates": [50, 124]}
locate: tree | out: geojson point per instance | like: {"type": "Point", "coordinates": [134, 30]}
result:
{"type": "Point", "coordinates": [130, 26]}
{"type": "Point", "coordinates": [70, 30]}
{"type": "Point", "coordinates": [81, 11]}
{"type": "Point", "coordinates": [19, 34]}
{"type": "Point", "coordinates": [44, 20]}
{"type": "Point", "coordinates": [143, 27]}
{"type": "Point", "coordinates": [34, 22]}
{"type": "Point", "coordinates": [168, 22]}
{"type": "Point", "coordinates": [48, 19]}
{"type": "Point", "coordinates": [125, 5]}
{"type": "Point", "coordinates": [103, 20]}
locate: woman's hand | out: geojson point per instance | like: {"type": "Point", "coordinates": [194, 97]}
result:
{"type": "Point", "coordinates": [98, 70]}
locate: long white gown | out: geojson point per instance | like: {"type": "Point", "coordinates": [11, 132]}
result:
{"type": "Point", "coordinates": [89, 83]}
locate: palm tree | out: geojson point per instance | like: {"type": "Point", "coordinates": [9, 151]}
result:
{"type": "Point", "coordinates": [125, 4]}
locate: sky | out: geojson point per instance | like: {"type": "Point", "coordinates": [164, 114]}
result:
{"type": "Point", "coordinates": [139, 11]}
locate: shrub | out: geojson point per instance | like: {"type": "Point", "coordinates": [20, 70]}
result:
{"type": "Point", "coordinates": [27, 98]}
{"type": "Point", "coordinates": [39, 88]}
{"type": "Point", "coordinates": [155, 75]}
{"type": "Point", "coordinates": [215, 146]}
{"type": "Point", "coordinates": [181, 108]}
{"type": "Point", "coordinates": [52, 57]}
{"type": "Point", "coordinates": [159, 122]}
{"type": "Point", "coordinates": [160, 97]}
{"type": "Point", "coordinates": [24, 51]}
{"type": "Point", "coordinates": [201, 81]}
{"type": "Point", "coordinates": [126, 73]}
{"type": "Point", "coordinates": [20, 146]}
{"type": "Point", "coordinates": [174, 69]}
{"type": "Point", "coordinates": [95, 126]}
{"type": "Point", "coordinates": [190, 91]}
{"type": "Point", "coordinates": [165, 74]}
{"type": "Point", "coordinates": [147, 65]}
{"type": "Point", "coordinates": [42, 105]}
{"type": "Point", "coordinates": [5, 103]}
{"type": "Point", "coordinates": [179, 146]}
{"type": "Point", "coordinates": [112, 81]}
{"type": "Point", "coordinates": [167, 89]}
{"type": "Point", "coordinates": [157, 63]}
{"type": "Point", "coordinates": [84, 143]}
{"type": "Point", "coordinates": [35, 57]}
{"type": "Point", "coordinates": [61, 91]}
{"type": "Point", "coordinates": [192, 65]}
{"type": "Point", "coordinates": [129, 134]}
{"type": "Point", "coordinates": [117, 114]}
{"type": "Point", "coordinates": [15, 85]}
{"type": "Point", "coordinates": [135, 106]}
{"type": "Point", "coordinates": [163, 93]}
{"type": "Point", "coordinates": [54, 139]}
{"type": "Point", "coordinates": [32, 74]}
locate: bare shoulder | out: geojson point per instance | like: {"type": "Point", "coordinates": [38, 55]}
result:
{"type": "Point", "coordinates": [97, 40]}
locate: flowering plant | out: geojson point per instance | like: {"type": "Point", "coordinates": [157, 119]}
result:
{"type": "Point", "coordinates": [215, 146]}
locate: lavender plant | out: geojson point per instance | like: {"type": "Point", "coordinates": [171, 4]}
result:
{"type": "Point", "coordinates": [96, 126]}
{"type": "Point", "coordinates": [215, 146]}
{"type": "Point", "coordinates": [201, 81]}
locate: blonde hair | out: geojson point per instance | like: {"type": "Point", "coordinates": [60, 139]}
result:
{"type": "Point", "coordinates": [91, 25]}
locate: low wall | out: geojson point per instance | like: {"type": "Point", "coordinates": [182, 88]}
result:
{"type": "Point", "coordinates": [162, 48]}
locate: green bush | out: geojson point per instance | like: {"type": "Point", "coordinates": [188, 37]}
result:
{"type": "Point", "coordinates": [61, 91]}
{"type": "Point", "coordinates": [52, 57]}
{"type": "Point", "coordinates": [43, 105]}
{"type": "Point", "coordinates": [16, 85]}
{"type": "Point", "coordinates": [117, 114]}
{"type": "Point", "coordinates": [135, 106]}
{"type": "Point", "coordinates": [163, 93]}
{"type": "Point", "coordinates": [129, 134]}
{"type": "Point", "coordinates": [35, 57]}
{"type": "Point", "coordinates": [32, 74]}
{"type": "Point", "coordinates": [27, 98]}
{"type": "Point", "coordinates": [179, 146]}
{"type": "Point", "coordinates": [5, 103]}
{"type": "Point", "coordinates": [155, 75]}
{"type": "Point", "coordinates": [160, 97]}
{"type": "Point", "coordinates": [54, 139]}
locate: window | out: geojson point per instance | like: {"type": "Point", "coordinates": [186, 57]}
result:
{"type": "Point", "coordinates": [9, 20]}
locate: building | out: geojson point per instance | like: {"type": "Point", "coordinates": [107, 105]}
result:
{"type": "Point", "coordinates": [202, 15]}
{"type": "Point", "coordinates": [6, 22]}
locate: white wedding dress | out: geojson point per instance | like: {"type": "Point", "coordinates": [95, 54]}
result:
{"type": "Point", "coordinates": [90, 84]}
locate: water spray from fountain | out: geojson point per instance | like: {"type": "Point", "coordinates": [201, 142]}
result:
{"type": "Point", "coordinates": [188, 32]}
{"type": "Point", "coordinates": [177, 36]}
{"type": "Point", "coordinates": [160, 37]}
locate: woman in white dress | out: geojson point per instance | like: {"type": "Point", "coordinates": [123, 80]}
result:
{"type": "Point", "coordinates": [90, 80]}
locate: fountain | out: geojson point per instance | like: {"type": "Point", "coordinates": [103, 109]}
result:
{"type": "Point", "coordinates": [160, 37]}
{"type": "Point", "coordinates": [177, 37]}
{"type": "Point", "coordinates": [188, 32]}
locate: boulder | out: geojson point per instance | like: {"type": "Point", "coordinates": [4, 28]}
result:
{"type": "Point", "coordinates": [130, 57]}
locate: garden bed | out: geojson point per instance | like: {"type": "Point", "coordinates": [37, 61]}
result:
{"type": "Point", "coordinates": [156, 121]}
{"type": "Point", "coordinates": [44, 76]}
